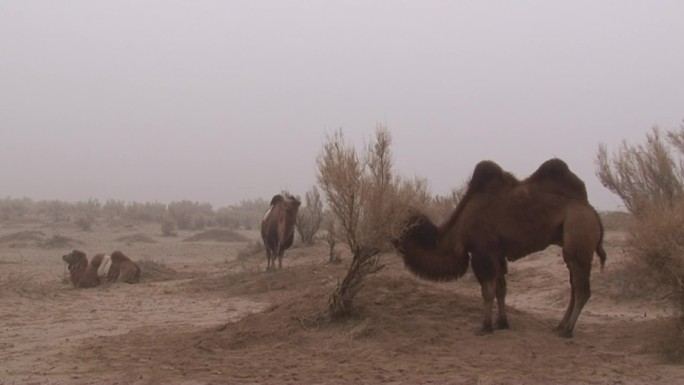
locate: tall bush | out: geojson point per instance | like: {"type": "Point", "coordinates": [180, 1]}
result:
{"type": "Point", "coordinates": [368, 202]}
{"type": "Point", "coordinates": [310, 217]}
{"type": "Point", "coordinates": [649, 179]}
{"type": "Point", "coordinates": [645, 174]}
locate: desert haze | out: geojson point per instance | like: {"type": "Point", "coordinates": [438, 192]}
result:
{"type": "Point", "coordinates": [160, 131]}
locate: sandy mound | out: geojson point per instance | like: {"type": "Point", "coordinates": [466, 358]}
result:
{"type": "Point", "coordinates": [217, 235]}
{"type": "Point", "coordinates": [403, 331]}
{"type": "Point", "coordinates": [60, 242]}
{"type": "Point", "coordinates": [26, 235]}
{"type": "Point", "coordinates": [135, 238]}
{"type": "Point", "coordinates": [38, 238]}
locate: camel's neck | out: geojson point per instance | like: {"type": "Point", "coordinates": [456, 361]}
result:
{"type": "Point", "coordinates": [78, 272]}
{"type": "Point", "coordinates": [449, 231]}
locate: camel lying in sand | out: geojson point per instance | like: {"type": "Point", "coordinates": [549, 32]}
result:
{"type": "Point", "coordinates": [108, 268]}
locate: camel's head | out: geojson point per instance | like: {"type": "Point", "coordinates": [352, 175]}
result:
{"type": "Point", "coordinates": [419, 231]}
{"type": "Point", "coordinates": [292, 205]}
{"type": "Point", "coordinates": [75, 260]}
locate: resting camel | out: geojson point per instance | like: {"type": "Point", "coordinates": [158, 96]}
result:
{"type": "Point", "coordinates": [117, 267]}
{"type": "Point", "coordinates": [277, 228]}
{"type": "Point", "coordinates": [502, 219]}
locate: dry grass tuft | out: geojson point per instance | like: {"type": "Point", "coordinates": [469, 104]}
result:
{"type": "Point", "coordinates": [25, 285]}
{"type": "Point", "coordinates": [669, 338]}
{"type": "Point", "coordinates": [23, 236]}
{"type": "Point", "coordinates": [649, 178]}
{"type": "Point", "coordinates": [135, 238]}
{"type": "Point", "coordinates": [253, 249]}
{"type": "Point", "coordinates": [217, 235]}
{"type": "Point", "coordinates": [152, 270]}
{"type": "Point", "coordinates": [59, 242]}
{"type": "Point", "coordinates": [616, 220]}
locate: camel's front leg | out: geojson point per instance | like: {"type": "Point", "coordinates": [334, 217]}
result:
{"type": "Point", "coordinates": [502, 321]}
{"type": "Point", "coordinates": [488, 294]}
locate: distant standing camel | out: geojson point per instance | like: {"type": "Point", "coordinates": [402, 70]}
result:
{"type": "Point", "coordinates": [501, 218]}
{"type": "Point", "coordinates": [277, 228]}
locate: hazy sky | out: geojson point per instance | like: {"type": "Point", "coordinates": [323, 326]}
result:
{"type": "Point", "coordinates": [220, 101]}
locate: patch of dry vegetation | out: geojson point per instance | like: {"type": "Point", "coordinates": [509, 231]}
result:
{"type": "Point", "coordinates": [649, 179]}
{"type": "Point", "coordinates": [254, 249]}
{"type": "Point", "coordinates": [184, 215]}
{"type": "Point", "coordinates": [38, 238]}
{"type": "Point", "coordinates": [24, 284]}
{"type": "Point", "coordinates": [217, 235]}
{"type": "Point", "coordinates": [152, 270]}
{"type": "Point", "coordinates": [23, 236]}
{"type": "Point", "coordinates": [135, 238]}
{"type": "Point", "coordinates": [369, 204]}
{"type": "Point", "coordinates": [60, 242]}
{"type": "Point", "coordinates": [310, 216]}
{"type": "Point", "coordinates": [616, 220]}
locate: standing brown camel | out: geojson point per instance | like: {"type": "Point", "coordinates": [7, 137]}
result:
{"type": "Point", "coordinates": [117, 267]}
{"type": "Point", "coordinates": [501, 218]}
{"type": "Point", "coordinates": [277, 228]}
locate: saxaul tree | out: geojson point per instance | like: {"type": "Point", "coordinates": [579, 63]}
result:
{"type": "Point", "coordinates": [310, 217]}
{"type": "Point", "coordinates": [369, 204]}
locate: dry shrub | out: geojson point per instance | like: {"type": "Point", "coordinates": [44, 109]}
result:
{"type": "Point", "coordinates": [152, 270]}
{"type": "Point", "coordinates": [23, 236]}
{"type": "Point", "coordinates": [369, 204]}
{"type": "Point", "coordinates": [247, 214]}
{"type": "Point", "coordinates": [168, 226]}
{"type": "Point", "coordinates": [25, 285]}
{"type": "Point", "coordinates": [135, 238]}
{"type": "Point", "coordinates": [191, 215]}
{"type": "Point", "coordinates": [669, 339]}
{"type": "Point", "coordinates": [657, 241]}
{"type": "Point", "coordinates": [85, 222]}
{"type": "Point", "coordinates": [334, 256]}
{"type": "Point", "coordinates": [616, 220]}
{"type": "Point", "coordinates": [12, 209]}
{"type": "Point", "coordinates": [59, 242]}
{"type": "Point", "coordinates": [251, 250]}
{"type": "Point", "coordinates": [310, 217]}
{"type": "Point", "coordinates": [649, 180]}
{"type": "Point", "coordinates": [642, 175]}
{"type": "Point", "coordinates": [217, 235]}
{"type": "Point", "coordinates": [147, 212]}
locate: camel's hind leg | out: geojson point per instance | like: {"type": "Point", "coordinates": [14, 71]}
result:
{"type": "Point", "coordinates": [279, 254]}
{"type": "Point", "coordinates": [268, 258]}
{"type": "Point", "coordinates": [581, 235]}
{"type": "Point", "coordinates": [580, 293]}
{"type": "Point", "coordinates": [568, 311]}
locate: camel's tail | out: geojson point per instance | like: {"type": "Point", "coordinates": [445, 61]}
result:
{"type": "Point", "coordinates": [602, 255]}
{"type": "Point", "coordinates": [599, 247]}
{"type": "Point", "coordinates": [423, 255]}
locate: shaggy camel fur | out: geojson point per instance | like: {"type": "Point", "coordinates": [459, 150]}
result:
{"type": "Point", "coordinates": [117, 267]}
{"type": "Point", "coordinates": [277, 228]}
{"type": "Point", "coordinates": [501, 218]}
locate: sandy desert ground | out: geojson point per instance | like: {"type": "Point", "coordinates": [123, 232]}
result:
{"type": "Point", "coordinates": [203, 316]}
